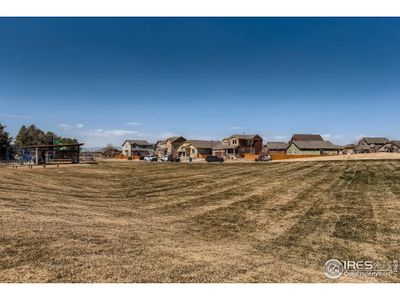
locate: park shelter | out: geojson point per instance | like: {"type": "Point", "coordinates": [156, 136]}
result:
{"type": "Point", "coordinates": [53, 153]}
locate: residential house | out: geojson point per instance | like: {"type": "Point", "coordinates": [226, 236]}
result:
{"type": "Point", "coordinates": [168, 146]}
{"type": "Point", "coordinates": [311, 144]}
{"type": "Point", "coordinates": [195, 149]}
{"type": "Point", "coordinates": [137, 148]}
{"type": "Point", "coordinates": [276, 147]}
{"type": "Point", "coordinates": [219, 149]}
{"type": "Point", "coordinates": [313, 148]}
{"type": "Point", "coordinates": [106, 152]}
{"type": "Point", "coordinates": [306, 137]}
{"type": "Point", "coordinates": [238, 145]}
{"type": "Point", "coordinates": [392, 146]}
{"type": "Point", "coordinates": [371, 144]}
{"type": "Point", "coordinates": [349, 149]}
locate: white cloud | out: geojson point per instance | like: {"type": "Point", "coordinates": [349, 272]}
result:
{"type": "Point", "coordinates": [326, 136]}
{"type": "Point", "coordinates": [64, 126]}
{"type": "Point", "coordinates": [133, 123]}
{"type": "Point", "coordinates": [109, 133]}
{"type": "Point", "coordinates": [14, 116]}
{"type": "Point", "coordinates": [281, 137]}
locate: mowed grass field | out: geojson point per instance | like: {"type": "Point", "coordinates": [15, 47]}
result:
{"type": "Point", "coordinates": [165, 222]}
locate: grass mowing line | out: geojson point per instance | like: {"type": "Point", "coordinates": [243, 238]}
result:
{"type": "Point", "coordinates": [106, 233]}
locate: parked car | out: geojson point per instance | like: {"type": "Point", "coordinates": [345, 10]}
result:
{"type": "Point", "coordinates": [150, 158]}
{"type": "Point", "coordinates": [212, 158]}
{"type": "Point", "coordinates": [263, 158]}
{"type": "Point", "coordinates": [171, 158]}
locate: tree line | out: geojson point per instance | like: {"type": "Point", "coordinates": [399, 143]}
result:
{"type": "Point", "coordinates": [28, 135]}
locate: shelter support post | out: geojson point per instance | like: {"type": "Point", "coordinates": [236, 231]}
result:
{"type": "Point", "coordinates": [37, 155]}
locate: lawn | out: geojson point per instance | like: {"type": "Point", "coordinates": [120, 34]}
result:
{"type": "Point", "coordinates": [165, 222]}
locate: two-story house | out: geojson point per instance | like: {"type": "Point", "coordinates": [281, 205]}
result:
{"type": "Point", "coordinates": [137, 148]}
{"type": "Point", "coordinates": [239, 144]}
{"type": "Point", "coordinates": [370, 144]}
{"type": "Point", "coordinates": [168, 146]}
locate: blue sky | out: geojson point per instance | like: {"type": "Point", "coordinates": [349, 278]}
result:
{"type": "Point", "coordinates": [103, 80]}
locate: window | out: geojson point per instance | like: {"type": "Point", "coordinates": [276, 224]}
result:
{"type": "Point", "coordinates": [234, 141]}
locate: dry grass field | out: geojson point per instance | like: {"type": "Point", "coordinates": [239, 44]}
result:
{"type": "Point", "coordinates": [164, 222]}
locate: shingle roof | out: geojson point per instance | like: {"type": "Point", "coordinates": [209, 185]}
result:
{"type": "Point", "coordinates": [349, 146]}
{"type": "Point", "coordinates": [219, 146]}
{"type": "Point", "coordinates": [203, 144]}
{"type": "Point", "coordinates": [138, 142]}
{"type": "Point", "coordinates": [323, 145]}
{"type": "Point", "coordinates": [306, 137]}
{"type": "Point", "coordinates": [174, 138]}
{"type": "Point", "coordinates": [246, 136]}
{"type": "Point", "coordinates": [396, 143]}
{"type": "Point", "coordinates": [277, 145]}
{"type": "Point", "coordinates": [108, 148]}
{"type": "Point", "coordinates": [375, 140]}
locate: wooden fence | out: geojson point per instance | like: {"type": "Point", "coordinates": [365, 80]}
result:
{"type": "Point", "coordinates": [281, 156]}
{"type": "Point", "coordinates": [250, 156]}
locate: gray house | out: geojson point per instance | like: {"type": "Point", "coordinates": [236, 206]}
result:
{"type": "Point", "coordinates": [311, 144]}
{"type": "Point", "coordinates": [276, 147]}
{"type": "Point", "coordinates": [371, 144]}
{"type": "Point", "coordinates": [137, 148]}
{"type": "Point", "coordinates": [312, 148]}
{"type": "Point", "coordinates": [306, 137]}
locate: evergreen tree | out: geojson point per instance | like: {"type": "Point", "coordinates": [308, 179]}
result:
{"type": "Point", "coordinates": [29, 136]}
{"type": "Point", "coordinates": [5, 143]}
{"type": "Point", "coordinates": [32, 135]}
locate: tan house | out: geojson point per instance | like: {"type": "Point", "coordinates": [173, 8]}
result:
{"type": "Point", "coordinates": [392, 146]}
{"type": "Point", "coordinates": [311, 144]}
{"type": "Point", "coordinates": [238, 145]}
{"type": "Point", "coordinates": [371, 144]}
{"type": "Point", "coordinates": [195, 149]}
{"type": "Point", "coordinates": [349, 149]}
{"type": "Point", "coordinates": [168, 146]}
{"type": "Point", "coordinates": [219, 149]}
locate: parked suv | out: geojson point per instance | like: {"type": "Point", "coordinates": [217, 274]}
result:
{"type": "Point", "coordinates": [212, 158]}
{"type": "Point", "coordinates": [150, 158]}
